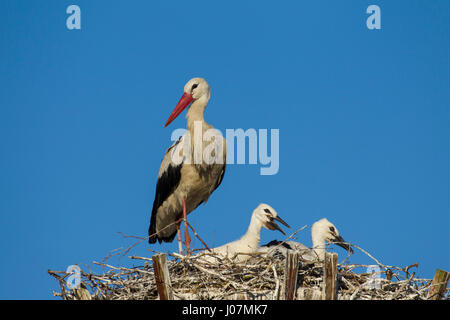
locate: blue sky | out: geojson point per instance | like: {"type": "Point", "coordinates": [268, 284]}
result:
{"type": "Point", "coordinates": [363, 117]}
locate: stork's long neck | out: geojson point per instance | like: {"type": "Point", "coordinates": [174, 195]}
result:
{"type": "Point", "coordinates": [318, 246]}
{"type": "Point", "coordinates": [196, 113]}
{"type": "Point", "coordinates": [253, 234]}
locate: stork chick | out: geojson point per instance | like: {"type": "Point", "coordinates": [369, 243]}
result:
{"type": "Point", "coordinates": [263, 216]}
{"type": "Point", "coordinates": [322, 231]}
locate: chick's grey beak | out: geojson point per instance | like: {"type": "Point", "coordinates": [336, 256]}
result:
{"type": "Point", "coordinates": [271, 225]}
{"type": "Point", "coordinates": [341, 243]}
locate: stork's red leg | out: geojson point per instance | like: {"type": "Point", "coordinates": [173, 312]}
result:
{"type": "Point", "coordinates": [187, 237]}
{"type": "Point", "coordinates": [180, 246]}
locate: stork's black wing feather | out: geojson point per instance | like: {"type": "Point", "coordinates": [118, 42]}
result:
{"type": "Point", "coordinates": [276, 242]}
{"type": "Point", "coordinates": [165, 185]}
{"type": "Point", "coordinates": [167, 182]}
{"type": "Point", "coordinates": [222, 173]}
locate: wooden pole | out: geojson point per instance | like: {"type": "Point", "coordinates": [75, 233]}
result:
{"type": "Point", "coordinates": [439, 284]}
{"type": "Point", "coordinates": [82, 293]}
{"type": "Point", "coordinates": [162, 277]}
{"type": "Point", "coordinates": [329, 288]}
{"type": "Point", "coordinates": [290, 275]}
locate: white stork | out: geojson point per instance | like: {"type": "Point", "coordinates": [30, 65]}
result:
{"type": "Point", "coordinates": [322, 231]}
{"type": "Point", "coordinates": [185, 180]}
{"type": "Point", "coordinates": [263, 216]}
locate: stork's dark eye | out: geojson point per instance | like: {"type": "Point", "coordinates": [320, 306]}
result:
{"type": "Point", "coordinates": [267, 210]}
{"type": "Point", "coordinates": [332, 229]}
{"type": "Point", "coordinates": [195, 85]}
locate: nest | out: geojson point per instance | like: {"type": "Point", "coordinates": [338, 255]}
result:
{"type": "Point", "coordinates": [260, 278]}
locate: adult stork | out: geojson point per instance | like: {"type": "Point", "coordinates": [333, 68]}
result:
{"type": "Point", "coordinates": [192, 168]}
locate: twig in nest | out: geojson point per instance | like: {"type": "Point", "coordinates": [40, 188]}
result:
{"type": "Point", "coordinates": [406, 270]}
{"type": "Point", "coordinates": [378, 262]}
{"type": "Point", "coordinates": [143, 239]}
{"type": "Point", "coordinates": [277, 285]}
{"type": "Point", "coordinates": [195, 233]}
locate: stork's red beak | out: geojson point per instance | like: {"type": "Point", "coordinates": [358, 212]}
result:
{"type": "Point", "coordinates": [185, 100]}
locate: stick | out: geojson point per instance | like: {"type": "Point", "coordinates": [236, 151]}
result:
{"type": "Point", "coordinates": [439, 285]}
{"type": "Point", "coordinates": [162, 278]}
{"type": "Point", "coordinates": [277, 284]}
{"type": "Point", "coordinates": [329, 276]}
{"type": "Point", "coordinates": [195, 234]}
{"type": "Point", "coordinates": [290, 275]}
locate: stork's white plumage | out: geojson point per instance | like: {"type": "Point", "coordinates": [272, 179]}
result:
{"type": "Point", "coordinates": [240, 250]}
{"type": "Point", "coordinates": [322, 231]}
{"type": "Point", "coordinates": [192, 168]}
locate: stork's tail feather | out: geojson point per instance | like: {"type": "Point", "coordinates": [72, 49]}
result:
{"type": "Point", "coordinates": [152, 229]}
{"type": "Point", "coordinates": [153, 236]}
